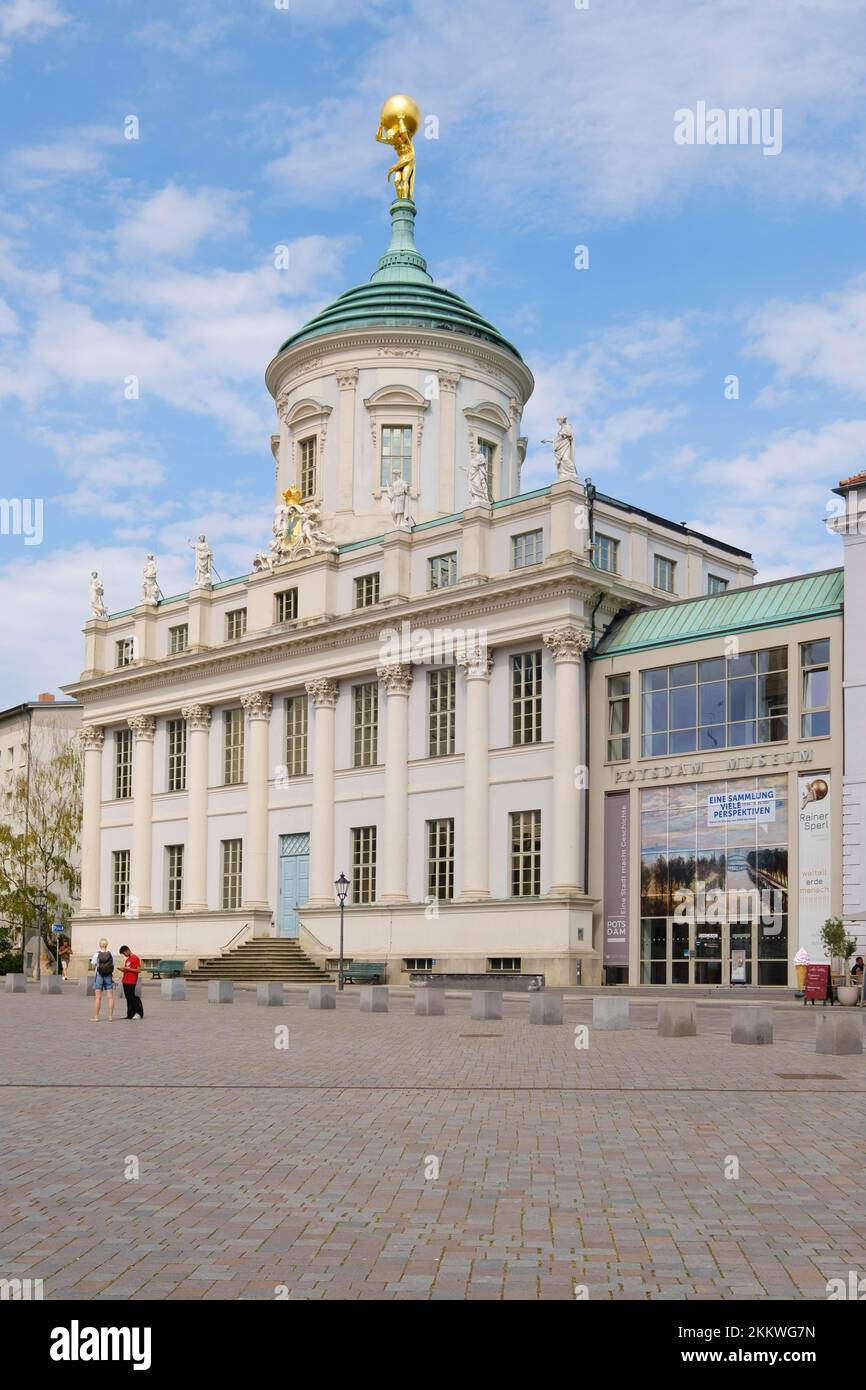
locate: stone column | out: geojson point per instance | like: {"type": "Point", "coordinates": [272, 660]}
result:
{"type": "Point", "coordinates": [448, 382]}
{"type": "Point", "coordinates": [258, 708]}
{"type": "Point", "coordinates": [568, 644]}
{"type": "Point", "coordinates": [195, 867]}
{"type": "Point", "coordinates": [143, 727]}
{"type": "Point", "coordinates": [323, 693]}
{"type": "Point", "coordinates": [397, 681]}
{"type": "Point", "coordinates": [347, 381]}
{"type": "Point", "coordinates": [477, 665]}
{"type": "Point", "coordinates": [91, 739]}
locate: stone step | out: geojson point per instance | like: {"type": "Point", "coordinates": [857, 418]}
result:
{"type": "Point", "coordinates": [261, 961]}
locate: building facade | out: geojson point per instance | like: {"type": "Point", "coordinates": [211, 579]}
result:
{"type": "Point", "coordinates": [397, 689]}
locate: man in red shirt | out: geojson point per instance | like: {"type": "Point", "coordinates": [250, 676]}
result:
{"type": "Point", "coordinates": [131, 971]}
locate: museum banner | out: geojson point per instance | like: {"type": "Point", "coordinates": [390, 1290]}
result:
{"type": "Point", "coordinates": [816, 862]}
{"type": "Point", "coordinates": [616, 867]}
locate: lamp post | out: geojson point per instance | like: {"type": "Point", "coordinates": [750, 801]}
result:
{"type": "Point", "coordinates": [41, 900]}
{"type": "Point", "coordinates": [342, 887]}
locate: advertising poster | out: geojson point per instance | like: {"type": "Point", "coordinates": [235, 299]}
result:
{"type": "Point", "coordinates": [616, 852]}
{"type": "Point", "coordinates": [815, 853]}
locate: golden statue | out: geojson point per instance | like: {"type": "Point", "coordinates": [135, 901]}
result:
{"type": "Point", "coordinates": [398, 123]}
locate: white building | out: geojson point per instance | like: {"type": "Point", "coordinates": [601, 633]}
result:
{"type": "Point", "coordinates": [396, 691]}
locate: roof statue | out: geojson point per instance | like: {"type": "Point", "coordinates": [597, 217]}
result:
{"type": "Point", "coordinates": [398, 123]}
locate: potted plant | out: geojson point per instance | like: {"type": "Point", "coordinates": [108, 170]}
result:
{"type": "Point", "coordinates": [840, 947]}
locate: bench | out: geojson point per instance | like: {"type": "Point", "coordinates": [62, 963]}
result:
{"type": "Point", "coordinates": [168, 968]}
{"type": "Point", "coordinates": [364, 972]}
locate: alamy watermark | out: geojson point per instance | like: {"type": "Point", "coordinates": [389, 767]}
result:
{"type": "Point", "coordinates": [739, 125]}
{"type": "Point", "coordinates": [22, 516]}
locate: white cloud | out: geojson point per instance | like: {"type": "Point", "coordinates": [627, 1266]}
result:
{"type": "Point", "coordinates": [172, 222]}
{"type": "Point", "coordinates": [79, 154]}
{"type": "Point", "coordinates": [30, 19]}
{"type": "Point", "coordinates": [823, 341]}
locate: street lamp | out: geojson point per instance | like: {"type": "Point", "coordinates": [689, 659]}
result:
{"type": "Point", "coordinates": [41, 901]}
{"type": "Point", "coordinates": [342, 887]}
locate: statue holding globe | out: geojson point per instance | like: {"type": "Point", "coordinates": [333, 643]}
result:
{"type": "Point", "coordinates": [398, 123]}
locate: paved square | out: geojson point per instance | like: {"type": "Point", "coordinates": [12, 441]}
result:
{"type": "Point", "coordinates": [191, 1157]}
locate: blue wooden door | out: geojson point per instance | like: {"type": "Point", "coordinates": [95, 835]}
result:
{"type": "Point", "coordinates": [294, 881]}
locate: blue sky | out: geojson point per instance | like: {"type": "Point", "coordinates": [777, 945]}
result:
{"type": "Point", "coordinates": [154, 257]}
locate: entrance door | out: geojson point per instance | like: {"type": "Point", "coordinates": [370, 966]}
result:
{"type": "Point", "coordinates": [294, 881]}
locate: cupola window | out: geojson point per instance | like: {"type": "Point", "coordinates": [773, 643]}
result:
{"type": "Point", "coordinates": [396, 453]}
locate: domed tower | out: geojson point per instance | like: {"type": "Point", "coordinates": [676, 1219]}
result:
{"type": "Point", "coordinates": [398, 378]}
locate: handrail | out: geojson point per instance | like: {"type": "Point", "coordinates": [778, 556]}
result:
{"type": "Point", "coordinates": [235, 937]}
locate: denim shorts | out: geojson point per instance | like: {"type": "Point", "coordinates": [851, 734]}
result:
{"type": "Point", "coordinates": [102, 981]}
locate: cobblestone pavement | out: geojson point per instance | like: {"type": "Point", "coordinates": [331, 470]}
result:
{"type": "Point", "coordinates": [266, 1171]}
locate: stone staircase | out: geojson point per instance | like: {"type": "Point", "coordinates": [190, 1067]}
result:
{"type": "Point", "coordinates": [261, 959]}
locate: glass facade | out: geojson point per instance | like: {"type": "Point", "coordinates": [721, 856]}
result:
{"type": "Point", "coordinates": [712, 886]}
{"type": "Point", "coordinates": [724, 702]}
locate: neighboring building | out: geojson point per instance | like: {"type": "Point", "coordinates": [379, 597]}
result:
{"type": "Point", "coordinates": [29, 733]}
{"type": "Point", "coordinates": [850, 524]}
{"type": "Point", "coordinates": [716, 743]}
{"type": "Point", "coordinates": [396, 690]}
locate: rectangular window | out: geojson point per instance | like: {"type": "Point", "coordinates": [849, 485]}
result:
{"type": "Point", "coordinates": [716, 585]}
{"type": "Point", "coordinates": [527, 549]}
{"type": "Point", "coordinates": [415, 964]}
{"type": "Point", "coordinates": [723, 702]}
{"type": "Point", "coordinates": [396, 453]}
{"type": "Point", "coordinates": [440, 712]}
{"type": "Point", "coordinates": [286, 606]}
{"type": "Point", "coordinates": [364, 864]}
{"type": "Point", "coordinates": [502, 963]}
{"type": "Point", "coordinates": [664, 574]}
{"type": "Point", "coordinates": [366, 590]}
{"type": "Point", "coordinates": [618, 721]}
{"type": "Point", "coordinates": [178, 639]}
{"type": "Point", "coordinates": [174, 877]}
{"type": "Point", "coordinates": [605, 553]}
{"type": "Point", "coordinates": [443, 571]}
{"type": "Point", "coordinates": [232, 874]}
{"type": "Point", "coordinates": [236, 624]}
{"type": "Point", "coordinates": [815, 689]}
{"type": "Point", "coordinates": [233, 747]}
{"type": "Point", "coordinates": [124, 651]}
{"type": "Point", "coordinates": [123, 764]}
{"type": "Point", "coordinates": [175, 730]}
{"type": "Point", "coordinates": [440, 859]}
{"type": "Point", "coordinates": [526, 698]}
{"type": "Point", "coordinates": [488, 453]}
{"type": "Point", "coordinates": [365, 723]}
{"type": "Point", "coordinates": [525, 854]}
{"type": "Point", "coordinates": [119, 882]}
{"type": "Point", "coordinates": [296, 736]}
{"type": "Point", "coordinates": [307, 450]}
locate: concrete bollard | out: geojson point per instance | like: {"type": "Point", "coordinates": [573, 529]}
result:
{"type": "Point", "coordinates": [374, 999]}
{"type": "Point", "coordinates": [220, 992]}
{"type": "Point", "coordinates": [16, 984]}
{"type": "Point", "coordinates": [677, 1018]}
{"type": "Point", "coordinates": [173, 989]}
{"type": "Point", "coordinates": [51, 984]}
{"type": "Point", "coordinates": [429, 1002]}
{"type": "Point", "coordinates": [270, 994]}
{"type": "Point", "coordinates": [486, 1003]}
{"type": "Point", "coordinates": [90, 985]}
{"type": "Point", "coordinates": [545, 1008]}
{"type": "Point", "coordinates": [752, 1023]}
{"type": "Point", "coordinates": [839, 1033]}
{"type": "Point", "coordinates": [322, 997]}
{"type": "Point", "coordinates": [610, 1012]}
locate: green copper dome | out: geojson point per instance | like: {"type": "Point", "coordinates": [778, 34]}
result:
{"type": "Point", "coordinates": [401, 294]}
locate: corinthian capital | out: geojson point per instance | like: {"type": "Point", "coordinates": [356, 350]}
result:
{"type": "Point", "coordinates": [143, 727]}
{"type": "Point", "coordinates": [197, 717]}
{"type": "Point", "coordinates": [347, 379]}
{"type": "Point", "coordinates": [396, 679]}
{"type": "Point", "coordinates": [323, 692]}
{"type": "Point", "coordinates": [257, 704]}
{"type": "Point", "coordinates": [568, 643]}
{"type": "Point", "coordinates": [476, 662]}
{"type": "Point", "coordinates": [91, 738]}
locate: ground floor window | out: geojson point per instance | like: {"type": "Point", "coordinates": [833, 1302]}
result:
{"type": "Point", "coordinates": [714, 883]}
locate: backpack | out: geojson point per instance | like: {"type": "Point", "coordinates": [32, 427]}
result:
{"type": "Point", "coordinates": [105, 964]}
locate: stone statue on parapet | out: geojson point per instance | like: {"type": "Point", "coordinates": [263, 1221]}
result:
{"type": "Point", "coordinates": [297, 534]}
{"type": "Point", "coordinates": [203, 563]}
{"type": "Point", "coordinates": [398, 495]}
{"type": "Point", "coordinates": [97, 596]}
{"type": "Point", "coordinates": [563, 450]}
{"type": "Point", "coordinates": [149, 584]}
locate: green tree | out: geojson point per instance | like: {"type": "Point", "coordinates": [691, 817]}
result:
{"type": "Point", "coordinates": [40, 834]}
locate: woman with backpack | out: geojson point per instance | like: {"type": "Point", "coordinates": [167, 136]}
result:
{"type": "Point", "coordinates": [103, 981]}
